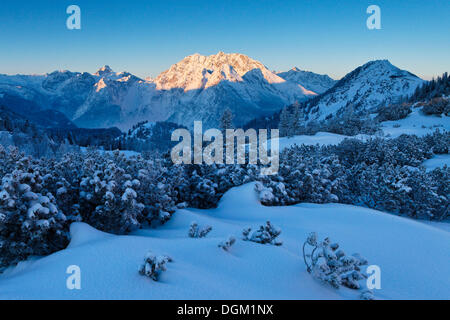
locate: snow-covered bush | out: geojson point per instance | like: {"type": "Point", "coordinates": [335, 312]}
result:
{"type": "Point", "coordinates": [266, 234]}
{"type": "Point", "coordinates": [438, 143]}
{"type": "Point", "coordinates": [383, 174]}
{"type": "Point", "coordinates": [437, 106]}
{"type": "Point", "coordinates": [110, 195]}
{"type": "Point", "coordinates": [394, 112]}
{"type": "Point", "coordinates": [198, 232]}
{"type": "Point", "coordinates": [367, 295]}
{"type": "Point", "coordinates": [154, 265]}
{"type": "Point", "coordinates": [227, 244]}
{"type": "Point", "coordinates": [266, 196]}
{"type": "Point", "coordinates": [329, 264]}
{"type": "Point", "coordinates": [303, 177]}
{"type": "Point", "coordinates": [30, 222]}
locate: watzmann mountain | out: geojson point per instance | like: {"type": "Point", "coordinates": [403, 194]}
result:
{"type": "Point", "coordinates": [200, 88]}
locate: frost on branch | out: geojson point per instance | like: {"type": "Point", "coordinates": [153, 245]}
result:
{"type": "Point", "coordinates": [329, 264]}
{"type": "Point", "coordinates": [265, 234]}
{"type": "Point", "coordinates": [154, 265]}
{"type": "Point", "coordinates": [198, 232]}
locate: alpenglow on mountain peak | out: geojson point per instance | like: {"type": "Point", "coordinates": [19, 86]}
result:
{"type": "Point", "coordinates": [199, 72]}
{"type": "Point", "coordinates": [104, 71]}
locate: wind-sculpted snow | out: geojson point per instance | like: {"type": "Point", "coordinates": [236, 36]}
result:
{"type": "Point", "coordinates": [411, 267]}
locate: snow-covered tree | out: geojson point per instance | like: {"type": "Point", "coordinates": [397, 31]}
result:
{"type": "Point", "coordinates": [285, 123]}
{"type": "Point", "coordinates": [226, 121]}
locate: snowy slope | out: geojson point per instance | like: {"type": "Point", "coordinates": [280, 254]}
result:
{"type": "Point", "coordinates": [412, 267]}
{"type": "Point", "coordinates": [318, 83]}
{"type": "Point", "coordinates": [364, 89]}
{"type": "Point", "coordinates": [416, 123]}
{"type": "Point", "coordinates": [321, 138]}
{"type": "Point", "coordinates": [438, 161]}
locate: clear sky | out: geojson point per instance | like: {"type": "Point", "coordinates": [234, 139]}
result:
{"type": "Point", "coordinates": [145, 37]}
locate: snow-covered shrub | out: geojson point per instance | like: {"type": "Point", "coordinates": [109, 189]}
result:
{"type": "Point", "coordinates": [30, 222]}
{"type": "Point", "coordinates": [202, 186]}
{"type": "Point", "coordinates": [383, 174]}
{"type": "Point", "coordinates": [438, 143]}
{"type": "Point", "coordinates": [303, 177]}
{"type": "Point", "coordinates": [394, 112]}
{"type": "Point", "coordinates": [226, 244]}
{"type": "Point", "coordinates": [108, 196]}
{"type": "Point", "coordinates": [367, 295]}
{"type": "Point", "coordinates": [266, 196]}
{"type": "Point", "coordinates": [158, 191]}
{"type": "Point", "coordinates": [198, 232]}
{"type": "Point", "coordinates": [329, 264]}
{"type": "Point", "coordinates": [266, 234]}
{"type": "Point", "coordinates": [437, 106]}
{"type": "Point", "coordinates": [154, 265]}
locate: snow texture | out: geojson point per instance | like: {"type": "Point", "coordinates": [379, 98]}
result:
{"type": "Point", "coordinates": [412, 267]}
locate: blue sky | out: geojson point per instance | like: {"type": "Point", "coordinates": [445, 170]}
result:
{"type": "Point", "coordinates": [146, 37]}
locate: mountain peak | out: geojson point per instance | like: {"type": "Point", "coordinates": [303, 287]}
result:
{"type": "Point", "coordinates": [200, 72]}
{"type": "Point", "coordinates": [364, 89]}
{"type": "Point", "coordinates": [104, 71]}
{"type": "Point", "coordinates": [382, 63]}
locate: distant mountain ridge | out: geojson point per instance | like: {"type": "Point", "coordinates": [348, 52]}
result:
{"type": "Point", "coordinates": [201, 88]}
{"type": "Point", "coordinates": [318, 83]}
{"type": "Point", "coordinates": [196, 88]}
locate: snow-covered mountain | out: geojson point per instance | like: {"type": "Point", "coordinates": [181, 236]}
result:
{"type": "Point", "coordinates": [318, 83]}
{"type": "Point", "coordinates": [201, 88]}
{"type": "Point", "coordinates": [363, 90]}
{"type": "Point", "coordinates": [196, 88]}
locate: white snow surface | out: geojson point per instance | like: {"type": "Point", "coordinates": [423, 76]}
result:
{"type": "Point", "coordinates": [416, 123]}
{"type": "Point", "coordinates": [320, 138]}
{"type": "Point", "coordinates": [438, 161]}
{"type": "Point", "coordinates": [413, 257]}
{"type": "Point", "coordinates": [126, 153]}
